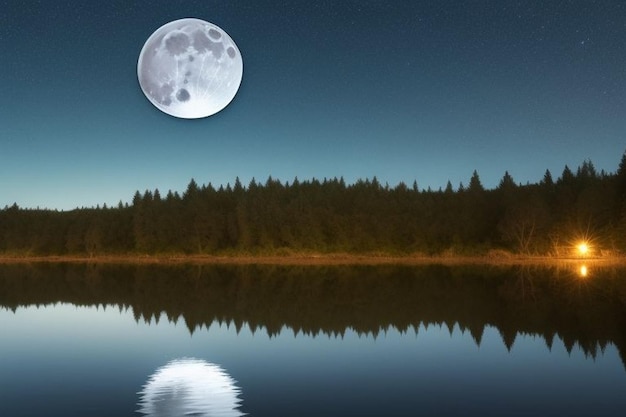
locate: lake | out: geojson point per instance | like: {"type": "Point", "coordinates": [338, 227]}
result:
{"type": "Point", "coordinates": [123, 340]}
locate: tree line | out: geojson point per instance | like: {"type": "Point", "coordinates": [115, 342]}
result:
{"type": "Point", "coordinates": [331, 216]}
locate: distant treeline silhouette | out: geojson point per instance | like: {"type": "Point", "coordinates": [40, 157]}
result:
{"type": "Point", "coordinates": [547, 302]}
{"type": "Point", "coordinates": [332, 216]}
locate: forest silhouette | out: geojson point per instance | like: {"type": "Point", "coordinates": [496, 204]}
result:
{"type": "Point", "coordinates": [331, 216]}
{"type": "Point", "coordinates": [516, 300]}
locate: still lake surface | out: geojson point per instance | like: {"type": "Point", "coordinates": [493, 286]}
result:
{"type": "Point", "coordinates": [106, 340]}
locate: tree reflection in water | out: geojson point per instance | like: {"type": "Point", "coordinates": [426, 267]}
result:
{"type": "Point", "coordinates": [586, 309]}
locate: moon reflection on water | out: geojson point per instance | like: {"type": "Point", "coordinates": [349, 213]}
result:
{"type": "Point", "coordinates": [190, 386]}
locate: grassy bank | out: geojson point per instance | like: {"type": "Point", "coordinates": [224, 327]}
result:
{"type": "Point", "coordinates": [316, 259]}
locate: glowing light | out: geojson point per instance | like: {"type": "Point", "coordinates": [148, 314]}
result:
{"type": "Point", "coordinates": [583, 271]}
{"type": "Point", "coordinates": [583, 248]}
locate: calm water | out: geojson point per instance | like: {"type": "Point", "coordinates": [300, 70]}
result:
{"type": "Point", "coordinates": [87, 340]}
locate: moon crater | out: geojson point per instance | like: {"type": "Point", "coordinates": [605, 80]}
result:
{"type": "Point", "coordinates": [190, 68]}
{"type": "Point", "coordinates": [177, 43]}
{"type": "Point", "coordinates": [182, 95]}
{"type": "Point", "coordinates": [215, 34]}
{"type": "Point", "coordinates": [203, 44]}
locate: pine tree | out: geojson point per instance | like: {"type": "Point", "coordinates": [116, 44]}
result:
{"type": "Point", "coordinates": [547, 179]}
{"type": "Point", "coordinates": [620, 178]}
{"type": "Point", "coordinates": [567, 177]}
{"type": "Point", "coordinates": [475, 184]}
{"type": "Point", "coordinates": [137, 200]}
{"type": "Point", "coordinates": [192, 190]}
{"type": "Point", "coordinates": [586, 171]}
{"type": "Point", "coordinates": [238, 188]}
{"type": "Point", "coordinates": [507, 183]}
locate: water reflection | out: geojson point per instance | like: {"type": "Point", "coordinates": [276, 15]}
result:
{"type": "Point", "coordinates": [546, 302]}
{"type": "Point", "coordinates": [190, 387]}
{"type": "Point", "coordinates": [582, 271]}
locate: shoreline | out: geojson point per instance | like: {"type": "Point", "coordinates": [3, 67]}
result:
{"type": "Point", "coordinates": [313, 259]}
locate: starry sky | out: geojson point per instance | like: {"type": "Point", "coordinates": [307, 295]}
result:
{"type": "Point", "coordinates": [400, 90]}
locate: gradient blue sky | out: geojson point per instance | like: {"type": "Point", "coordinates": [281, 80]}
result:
{"type": "Point", "coordinates": [401, 90]}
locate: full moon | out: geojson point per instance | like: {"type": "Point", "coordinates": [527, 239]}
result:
{"type": "Point", "coordinates": [190, 68]}
{"type": "Point", "coordinates": [190, 387]}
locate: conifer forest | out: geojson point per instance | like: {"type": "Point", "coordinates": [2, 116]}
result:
{"type": "Point", "coordinates": [330, 216]}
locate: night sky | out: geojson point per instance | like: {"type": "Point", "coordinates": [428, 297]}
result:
{"type": "Point", "coordinates": [400, 90]}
